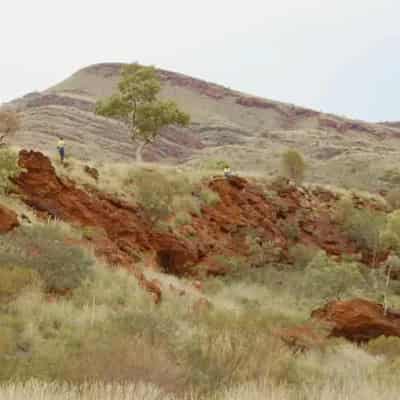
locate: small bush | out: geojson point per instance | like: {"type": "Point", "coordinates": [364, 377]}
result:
{"type": "Point", "coordinates": [8, 169]}
{"type": "Point", "coordinates": [208, 197]}
{"type": "Point", "coordinates": [183, 218]}
{"type": "Point", "coordinates": [215, 164]}
{"type": "Point", "coordinates": [186, 204]}
{"type": "Point", "coordinates": [154, 193]}
{"type": "Point", "coordinates": [344, 210]}
{"type": "Point", "coordinates": [293, 166]}
{"type": "Point", "coordinates": [327, 279]}
{"type": "Point", "coordinates": [365, 227]}
{"type": "Point", "coordinates": [43, 248]}
{"type": "Point", "coordinates": [301, 255]}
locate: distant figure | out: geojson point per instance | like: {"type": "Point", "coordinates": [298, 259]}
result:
{"type": "Point", "coordinates": [227, 172]}
{"type": "Point", "coordinates": [61, 149]}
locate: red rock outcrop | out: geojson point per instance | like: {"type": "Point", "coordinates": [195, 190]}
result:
{"type": "Point", "coordinates": [220, 229]}
{"type": "Point", "coordinates": [8, 220]}
{"type": "Point", "coordinates": [126, 229]}
{"type": "Point", "coordinates": [359, 320]}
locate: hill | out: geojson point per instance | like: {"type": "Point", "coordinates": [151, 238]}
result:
{"type": "Point", "coordinates": [249, 131]}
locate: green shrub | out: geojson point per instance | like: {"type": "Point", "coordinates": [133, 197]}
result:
{"type": "Point", "coordinates": [214, 164]}
{"type": "Point", "coordinates": [186, 204]}
{"type": "Point", "coordinates": [44, 249]}
{"type": "Point", "coordinates": [183, 218]}
{"type": "Point", "coordinates": [8, 169]}
{"type": "Point", "coordinates": [301, 255]}
{"type": "Point", "coordinates": [326, 279]}
{"type": "Point", "coordinates": [293, 166]}
{"type": "Point", "coordinates": [365, 228]}
{"type": "Point", "coordinates": [153, 192]}
{"type": "Point", "coordinates": [208, 197]}
{"type": "Point", "coordinates": [344, 210]}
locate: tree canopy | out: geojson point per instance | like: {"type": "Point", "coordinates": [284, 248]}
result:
{"type": "Point", "coordinates": [137, 104]}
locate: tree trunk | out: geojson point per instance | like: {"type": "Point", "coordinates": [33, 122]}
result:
{"type": "Point", "coordinates": [139, 152]}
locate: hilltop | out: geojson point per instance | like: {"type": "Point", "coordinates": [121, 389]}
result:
{"type": "Point", "coordinates": [249, 131]}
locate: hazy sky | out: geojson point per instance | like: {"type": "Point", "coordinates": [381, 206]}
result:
{"type": "Point", "coordinates": [339, 56]}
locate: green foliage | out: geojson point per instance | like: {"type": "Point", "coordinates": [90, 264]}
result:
{"type": "Point", "coordinates": [328, 279]}
{"type": "Point", "coordinates": [136, 104]}
{"type": "Point", "coordinates": [153, 192]}
{"type": "Point", "coordinates": [8, 169]}
{"type": "Point", "coordinates": [208, 197]}
{"type": "Point", "coordinates": [344, 209]}
{"type": "Point", "coordinates": [183, 218]}
{"type": "Point", "coordinates": [365, 228]}
{"type": "Point", "coordinates": [186, 203]}
{"type": "Point", "coordinates": [293, 166]}
{"type": "Point", "coordinates": [215, 164]}
{"type": "Point", "coordinates": [44, 249]}
{"type": "Point", "coordinates": [163, 193]}
{"type": "Point", "coordinates": [301, 255]}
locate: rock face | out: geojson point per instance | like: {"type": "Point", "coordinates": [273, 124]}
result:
{"type": "Point", "coordinates": [8, 220]}
{"type": "Point", "coordinates": [126, 230]}
{"type": "Point", "coordinates": [359, 320]}
{"type": "Point", "coordinates": [220, 230]}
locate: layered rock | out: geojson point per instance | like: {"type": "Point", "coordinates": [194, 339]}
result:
{"type": "Point", "coordinates": [359, 320]}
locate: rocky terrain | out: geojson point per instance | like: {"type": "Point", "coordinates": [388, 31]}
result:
{"type": "Point", "coordinates": [281, 280]}
{"type": "Point", "coordinates": [251, 132]}
{"type": "Point", "coordinates": [180, 282]}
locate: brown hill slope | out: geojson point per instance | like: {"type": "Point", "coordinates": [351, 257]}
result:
{"type": "Point", "coordinates": [251, 132]}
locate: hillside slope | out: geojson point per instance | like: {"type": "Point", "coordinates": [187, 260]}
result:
{"type": "Point", "coordinates": [251, 132]}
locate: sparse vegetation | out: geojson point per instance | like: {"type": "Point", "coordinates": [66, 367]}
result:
{"type": "Point", "coordinates": [301, 255]}
{"type": "Point", "coordinates": [45, 250]}
{"type": "Point", "coordinates": [293, 166]}
{"type": "Point", "coordinates": [8, 169]}
{"type": "Point", "coordinates": [64, 319]}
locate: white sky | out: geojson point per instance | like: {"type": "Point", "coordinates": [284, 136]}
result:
{"type": "Point", "coordinates": [340, 56]}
